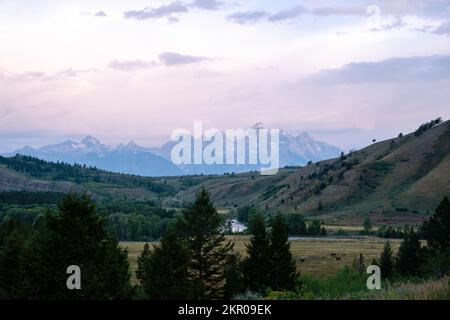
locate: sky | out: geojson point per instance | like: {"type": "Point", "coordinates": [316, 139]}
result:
{"type": "Point", "coordinates": [346, 72]}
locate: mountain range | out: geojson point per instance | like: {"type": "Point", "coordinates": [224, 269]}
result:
{"type": "Point", "coordinates": [295, 150]}
{"type": "Point", "coordinates": [396, 181]}
{"type": "Point", "coordinates": [400, 180]}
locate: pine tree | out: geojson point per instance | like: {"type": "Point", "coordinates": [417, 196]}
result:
{"type": "Point", "coordinates": [208, 251]}
{"type": "Point", "coordinates": [437, 233]}
{"type": "Point", "coordinates": [361, 268]}
{"type": "Point", "coordinates": [75, 235]}
{"type": "Point", "coordinates": [296, 224]}
{"type": "Point", "coordinates": [410, 255]}
{"type": "Point", "coordinates": [12, 245]}
{"type": "Point", "coordinates": [367, 225]}
{"type": "Point", "coordinates": [283, 275]}
{"type": "Point", "coordinates": [314, 228]}
{"type": "Point", "coordinates": [234, 282]}
{"type": "Point", "coordinates": [437, 228]}
{"type": "Point", "coordinates": [320, 206]}
{"type": "Point", "coordinates": [163, 271]}
{"type": "Point", "coordinates": [257, 265]}
{"type": "Point", "coordinates": [387, 262]}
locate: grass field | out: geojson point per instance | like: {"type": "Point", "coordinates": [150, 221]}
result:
{"type": "Point", "coordinates": [319, 257]}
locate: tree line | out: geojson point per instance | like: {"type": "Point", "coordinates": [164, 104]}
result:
{"type": "Point", "coordinates": [427, 126]}
{"type": "Point", "coordinates": [414, 259]}
{"type": "Point", "coordinates": [128, 220]}
{"type": "Point", "coordinates": [204, 265]}
{"type": "Point", "coordinates": [77, 173]}
{"type": "Point", "coordinates": [193, 260]}
{"type": "Point", "coordinates": [296, 223]}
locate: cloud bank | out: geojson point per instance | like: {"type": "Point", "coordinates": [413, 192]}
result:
{"type": "Point", "coordinates": [406, 70]}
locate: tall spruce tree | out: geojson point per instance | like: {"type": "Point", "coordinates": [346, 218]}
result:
{"type": "Point", "coordinates": [387, 261]}
{"type": "Point", "coordinates": [258, 263]}
{"type": "Point", "coordinates": [203, 229]}
{"type": "Point", "coordinates": [283, 273]}
{"type": "Point", "coordinates": [410, 257]}
{"type": "Point", "coordinates": [75, 235]}
{"type": "Point", "coordinates": [234, 282]}
{"type": "Point", "coordinates": [13, 239]}
{"type": "Point", "coordinates": [163, 271]}
{"type": "Point", "coordinates": [437, 229]}
{"type": "Point", "coordinates": [437, 233]}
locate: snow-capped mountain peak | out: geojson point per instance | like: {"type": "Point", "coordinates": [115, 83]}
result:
{"type": "Point", "coordinates": [90, 141]}
{"type": "Point", "coordinates": [258, 125]}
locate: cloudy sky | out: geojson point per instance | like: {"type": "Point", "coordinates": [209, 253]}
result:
{"type": "Point", "coordinates": [345, 71]}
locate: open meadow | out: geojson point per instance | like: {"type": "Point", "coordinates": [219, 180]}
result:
{"type": "Point", "coordinates": [319, 257]}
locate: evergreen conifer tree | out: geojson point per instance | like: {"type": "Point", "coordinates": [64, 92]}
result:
{"type": "Point", "coordinates": [75, 235]}
{"type": "Point", "coordinates": [387, 261]}
{"type": "Point", "coordinates": [410, 255]}
{"type": "Point", "coordinates": [257, 265]}
{"type": "Point", "coordinates": [234, 282]}
{"type": "Point", "coordinates": [203, 229]}
{"type": "Point", "coordinates": [283, 275]}
{"type": "Point", "coordinates": [163, 271]}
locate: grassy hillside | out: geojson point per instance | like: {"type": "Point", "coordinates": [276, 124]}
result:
{"type": "Point", "coordinates": [23, 173]}
{"type": "Point", "coordinates": [394, 181]}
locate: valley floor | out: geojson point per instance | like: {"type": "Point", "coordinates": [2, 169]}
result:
{"type": "Point", "coordinates": [318, 257]}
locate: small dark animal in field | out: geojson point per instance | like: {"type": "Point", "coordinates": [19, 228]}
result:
{"type": "Point", "coordinates": [333, 254]}
{"type": "Point", "coordinates": [302, 260]}
{"type": "Point", "coordinates": [338, 258]}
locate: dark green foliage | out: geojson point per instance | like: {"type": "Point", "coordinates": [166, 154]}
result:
{"type": "Point", "coordinates": [257, 264]}
{"type": "Point", "coordinates": [74, 235]}
{"type": "Point", "coordinates": [367, 225]}
{"type": "Point", "coordinates": [13, 237]}
{"type": "Point", "coordinates": [77, 173]}
{"type": "Point", "coordinates": [320, 206]}
{"type": "Point", "coordinates": [283, 274]}
{"type": "Point", "coordinates": [437, 233]}
{"type": "Point", "coordinates": [163, 271]}
{"type": "Point", "coordinates": [386, 261]}
{"type": "Point", "coordinates": [202, 228]}
{"type": "Point", "coordinates": [234, 281]}
{"type": "Point", "coordinates": [426, 126]}
{"type": "Point", "coordinates": [128, 220]}
{"type": "Point", "coordinates": [27, 198]}
{"type": "Point", "coordinates": [410, 256]}
{"type": "Point", "coordinates": [390, 232]}
{"type": "Point", "coordinates": [345, 282]}
{"type": "Point", "coordinates": [296, 224]}
{"type": "Point", "coordinates": [315, 228]}
{"type": "Point", "coordinates": [437, 229]}
{"type": "Point", "coordinates": [245, 213]}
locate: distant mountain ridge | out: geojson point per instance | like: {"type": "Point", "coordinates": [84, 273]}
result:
{"type": "Point", "coordinates": [129, 158]}
{"type": "Point", "coordinates": [397, 181]}
{"type": "Point", "coordinates": [295, 150]}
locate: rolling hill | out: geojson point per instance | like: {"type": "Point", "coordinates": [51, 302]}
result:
{"type": "Point", "coordinates": [397, 181]}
